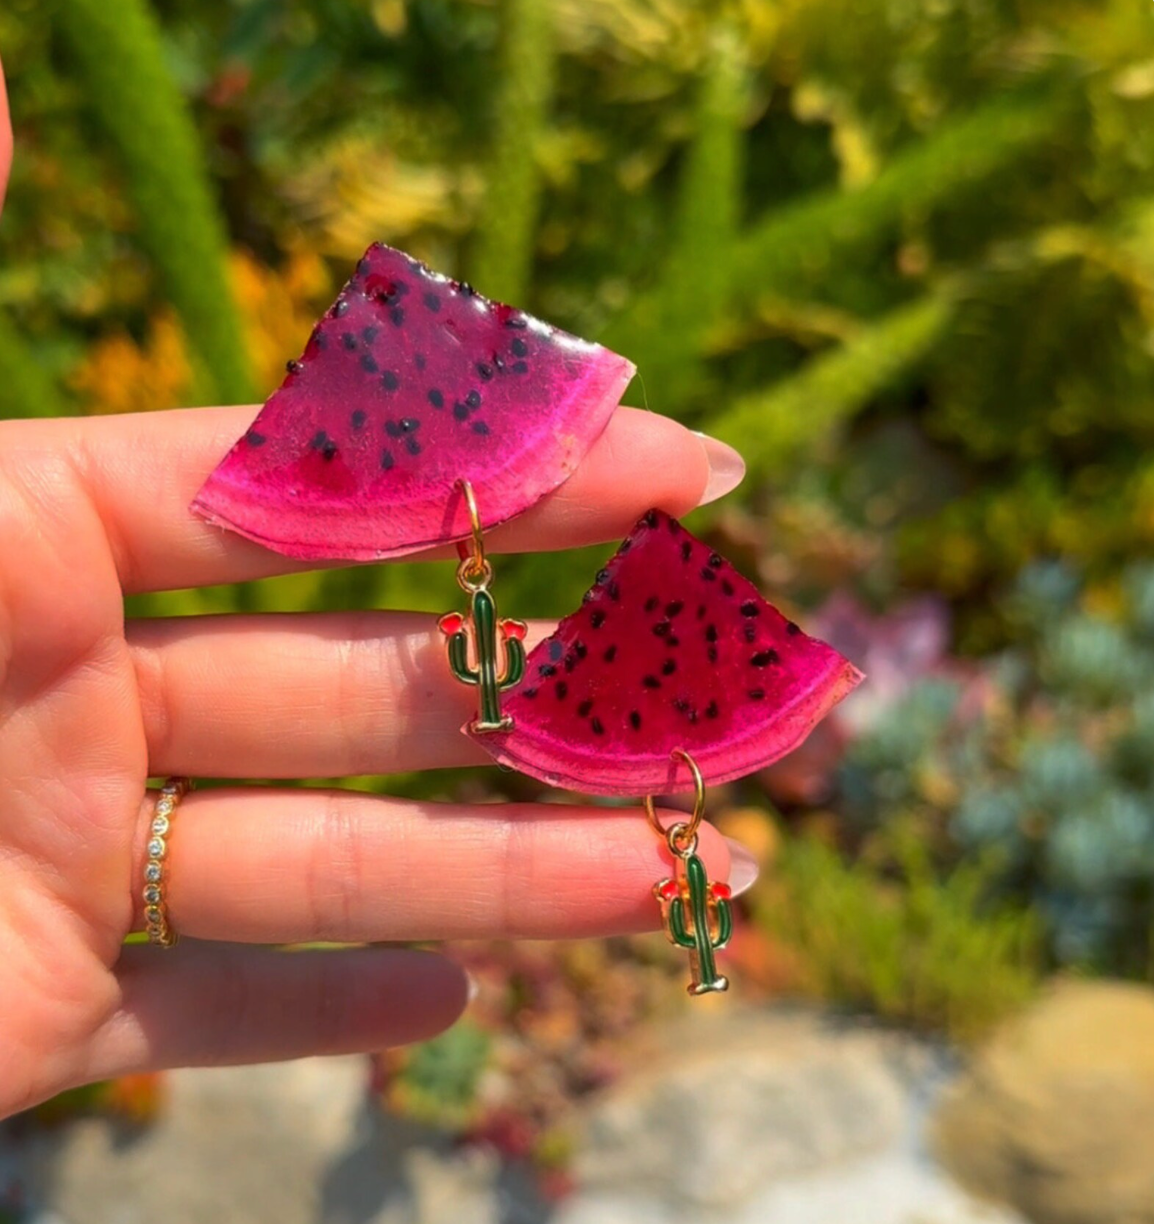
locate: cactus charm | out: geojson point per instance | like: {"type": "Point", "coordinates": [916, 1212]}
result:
{"type": "Point", "coordinates": [491, 637]}
{"type": "Point", "coordinates": [698, 917]}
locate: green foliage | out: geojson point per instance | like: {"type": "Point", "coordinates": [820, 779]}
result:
{"type": "Point", "coordinates": [776, 427]}
{"type": "Point", "coordinates": [523, 87]}
{"type": "Point", "coordinates": [898, 938]}
{"type": "Point", "coordinates": [438, 1081]}
{"type": "Point", "coordinates": [25, 389]}
{"type": "Point", "coordinates": [118, 50]}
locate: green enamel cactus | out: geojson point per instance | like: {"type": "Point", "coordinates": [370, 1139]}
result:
{"type": "Point", "coordinates": [489, 636]}
{"type": "Point", "coordinates": [686, 909]}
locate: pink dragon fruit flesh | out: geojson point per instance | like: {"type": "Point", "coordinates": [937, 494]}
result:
{"type": "Point", "coordinates": [409, 383]}
{"type": "Point", "coordinates": [671, 648]}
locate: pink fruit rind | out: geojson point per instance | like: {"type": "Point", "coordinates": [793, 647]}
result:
{"type": "Point", "coordinates": [672, 648]}
{"type": "Point", "coordinates": [410, 383]}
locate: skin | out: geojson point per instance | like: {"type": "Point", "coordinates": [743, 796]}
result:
{"type": "Point", "coordinates": [91, 706]}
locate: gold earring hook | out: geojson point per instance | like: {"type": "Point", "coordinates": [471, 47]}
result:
{"type": "Point", "coordinates": [474, 573]}
{"type": "Point", "coordinates": [682, 836]}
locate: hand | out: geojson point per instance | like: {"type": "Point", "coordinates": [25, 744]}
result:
{"type": "Point", "coordinates": [91, 509]}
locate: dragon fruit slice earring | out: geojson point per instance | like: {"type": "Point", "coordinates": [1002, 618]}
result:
{"type": "Point", "coordinates": [419, 414]}
{"type": "Point", "coordinates": [674, 673]}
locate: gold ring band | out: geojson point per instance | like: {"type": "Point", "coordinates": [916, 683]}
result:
{"type": "Point", "coordinates": [156, 921]}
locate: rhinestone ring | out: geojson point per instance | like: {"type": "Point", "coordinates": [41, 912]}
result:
{"type": "Point", "coordinates": [155, 870]}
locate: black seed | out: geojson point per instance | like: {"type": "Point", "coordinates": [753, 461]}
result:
{"type": "Point", "coordinates": [610, 654]}
{"type": "Point", "coordinates": [716, 561]}
{"type": "Point", "coordinates": [626, 545]}
{"type": "Point", "coordinates": [584, 708]}
{"type": "Point", "coordinates": [651, 682]}
{"type": "Point", "coordinates": [357, 420]}
{"type": "Point", "coordinates": [412, 445]}
{"type": "Point", "coordinates": [708, 574]}
{"type": "Point", "coordinates": [435, 398]}
{"type": "Point", "coordinates": [387, 460]}
{"type": "Point", "coordinates": [635, 720]}
{"type": "Point", "coordinates": [556, 650]}
{"type": "Point", "coordinates": [485, 371]}
{"type": "Point", "coordinates": [419, 361]}
{"type": "Point", "coordinates": [750, 608]}
{"type": "Point", "coordinates": [711, 633]}
{"type": "Point", "coordinates": [349, 341]}
{"type": "Point", "coordinates": [319, 439]}
{"type": "Point", "coordinates": [390, 380]}
{"type": "Point", "coordinates": [416, 266]}
{"type": "Point", "coordinates": [651, 603]}
{"type": "Point", "coordinates": [580, 649]}
{"type": "Point", "coordinates": [515, 322]}
{"type": "Point", "coordinates": [400, 288]}
{"type": "Point", "coordinates": [597, 619]}
{"type": "Point", "coordinates": [561, 689]}
{"type": "Point", "coordinates": [547, 669]}
{"type": "Point", "coordinates": [340, 308]}
{"type": "Point", "coordinates": [410, 424]}
{"type": "Point", "coordinates": [498, 362]}
{"type": "Point", "coordinates": [764, 658]}
{"type": "Point", "coordinates": [711, 710]}
{"type": "Point", "coordinates": [589, 596]}
{"type": "Point", "coordinates": [686, 549]}
{"type": "Point", "coordinates": [329, 451]}
{"type": "Point", "coordinates": [614, 592]}
{"type": "Point", "coordinates": [369, 363]}
{"type": "Point", "coordinates": [320, 340]}
{"type": "Point", "coordinates": [597, 727]}
{"type": "Point", "coordinates": [460, 411]}
{"type": "Point", "coordinates": [432, 302]}
{"type": "Point", "coordinates": [479, 427]}
{"type": "Point", "coordinates": [669, 667]}
{"type": "Point", "coordinates": [601, 577]}
{"type": "Point", "coordinates": [570, 662]}
{"type": "Point", "coordinates": [293, 367]}
{"type": "Point", "coordinates": [529, 692]}
{"type": "Point", "coordinates": [673, 607]}
{"type": "Point", "coordinates": [473, 399]}
{"type": "Point", "coordinates": [700, 611]}
{"type": "Point", "coordinates": [673, 525]}
{"type": "Point", "coordinates": [711, 654]}
{"type": "Point", "coordinates": [520, 348]}
{"type": "Point", "coordinates": [757, 694]}
{"type": "Point", "coordinates": [662, 628]}
{"type": "Point", "coordinates": [255, 439]}
{"type": "Point", "coordinates": [520, 367]}
{"type": "Point", "coordinates": [466, 289]}
{"type": "Point", "coordinates": [749, 631]}
{"type": "Point", "coordinates": [672, 641]}
{"type": "Point", "coordinates": [393, 429]}
{"type": "Point", "coordinates": [792, 629]}
{"type": "Point", "coordinates": [397, 314]}
{"type": "Point", "coordinates": [363, 267]}
{"type": "Point", "coordinates": [650, 519]}
{"type": "Point", "coordinates": [726, 586]}
{"type": "Point", "coordinates": [369, 334]}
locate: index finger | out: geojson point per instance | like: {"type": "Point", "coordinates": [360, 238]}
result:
{"type": "Point", "coordinates": [142, 471]}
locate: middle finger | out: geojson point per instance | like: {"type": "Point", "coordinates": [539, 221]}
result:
{"type": "Point", "coordinates": [301, 695]}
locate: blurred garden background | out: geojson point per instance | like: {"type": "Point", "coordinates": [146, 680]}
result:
{"type": "Point", "coordinates": [899, 252]}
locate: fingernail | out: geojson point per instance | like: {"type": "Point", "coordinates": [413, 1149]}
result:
{"type": "Point", "coordinates": [726, 469]}
{"type": "Point", "coordinates": [474, 986]}
{"type": "Point", "coordinates": [743, 868]}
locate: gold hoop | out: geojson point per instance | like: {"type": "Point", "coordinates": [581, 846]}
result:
{"type": "Point", "coordinates": [682, 836]}
{"type": "Point", "coordinates": [474, 570]}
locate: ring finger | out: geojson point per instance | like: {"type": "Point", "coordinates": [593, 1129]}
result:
{"type": "Point", "coordinates": [268, 866]}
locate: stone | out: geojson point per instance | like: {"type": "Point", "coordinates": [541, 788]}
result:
{"type": "Point", "coordinates": [1056, 1115]}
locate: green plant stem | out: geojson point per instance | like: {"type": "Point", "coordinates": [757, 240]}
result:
{"type": "Point", "coordinates": [119, 52]}
{"type": "Point", "coordinates": [503, 255]}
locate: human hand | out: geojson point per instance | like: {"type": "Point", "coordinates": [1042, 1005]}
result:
{"type": "Point", "coordinates": [92, 706]}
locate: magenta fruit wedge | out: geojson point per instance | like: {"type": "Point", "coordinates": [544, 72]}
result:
{"type": "Point", "coordinates": [410, 383]}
